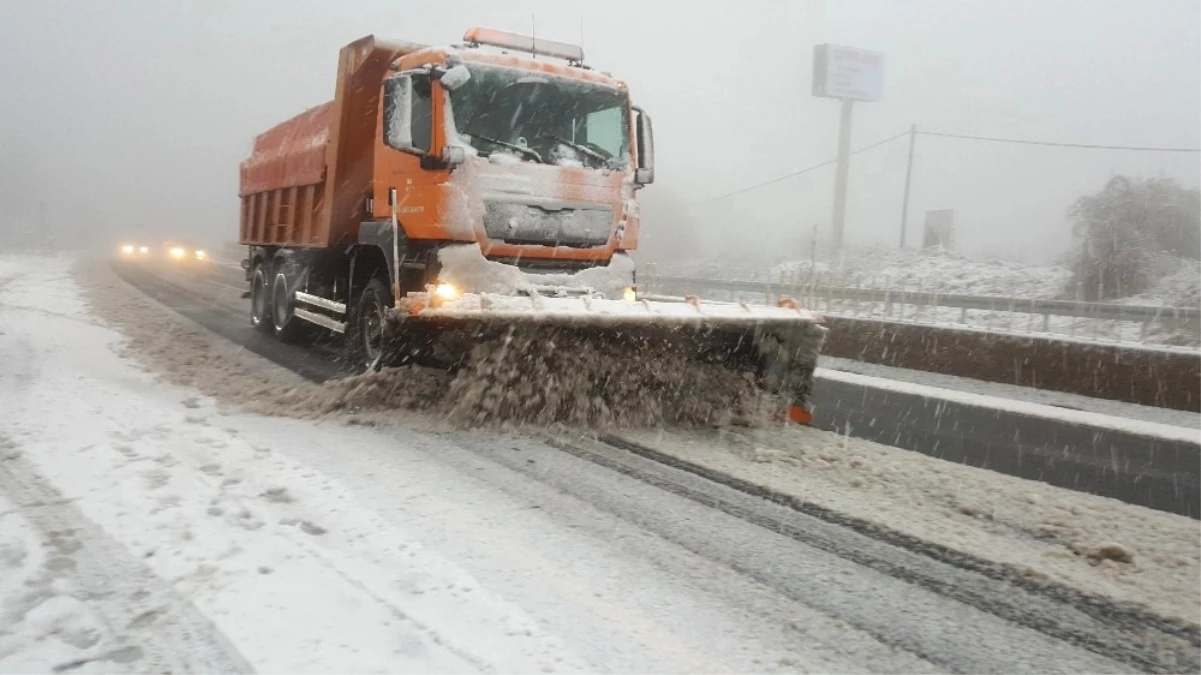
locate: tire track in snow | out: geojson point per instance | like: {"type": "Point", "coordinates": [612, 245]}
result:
{"type": "Point", "coordinates": [161, 630]}
{"type": "Point", "coordinates": [1113, 629]}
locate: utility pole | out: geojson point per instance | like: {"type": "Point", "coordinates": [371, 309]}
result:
{"type": "Point", "coordinates": [908, 177]}
{"type": "Point", "coordinates": [840, 180]}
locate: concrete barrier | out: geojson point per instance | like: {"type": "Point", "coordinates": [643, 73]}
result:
{"type": "Point", "coordinates": [1164, 378]}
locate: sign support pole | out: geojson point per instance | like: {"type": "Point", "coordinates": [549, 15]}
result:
{"type": "Point", "coordinates": [908, 177]}
{"type": "Point", "coordinates": [840, 181]}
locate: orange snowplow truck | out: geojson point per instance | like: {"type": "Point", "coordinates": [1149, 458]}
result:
{"type": "Point", "coordinates": [504, 142]}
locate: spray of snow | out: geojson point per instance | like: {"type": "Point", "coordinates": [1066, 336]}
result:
{"type": "Point", "coordinates": [532, 376]}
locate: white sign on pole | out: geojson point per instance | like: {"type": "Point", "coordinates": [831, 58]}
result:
{"type": "Point", "coordinates": [847, 73]}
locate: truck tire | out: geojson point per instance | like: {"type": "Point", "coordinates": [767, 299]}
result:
{"type": "Point", "coordinates": [260, 299]}
{"type": "Point", "coordinates": [285, 324]}
{"type": "Point", "coordinates": [368, 346]}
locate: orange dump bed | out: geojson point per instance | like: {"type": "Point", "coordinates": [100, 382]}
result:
{"type": "Point", "coordinates": [289, 154]}
{"type": "Point", "coordinates": [281, 181]}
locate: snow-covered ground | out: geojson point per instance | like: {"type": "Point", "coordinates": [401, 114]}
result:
{"type": "Point", "coordinates": [172, 494]}
{"type": "Point", "coordinates": [149, 521]}
{"type": "Point", "coordinates": [945, 272]}
{"type": "Point", "coordinates": [1047, 531]}
{"type": "Point", "coordinates": [150, 524]}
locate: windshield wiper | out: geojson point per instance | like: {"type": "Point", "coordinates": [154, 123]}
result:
{"type": "Point", "coordinates": [512, 146]}
{"type": "Point", "coordinates": [582, 148]}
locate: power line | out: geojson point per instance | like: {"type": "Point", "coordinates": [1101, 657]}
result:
{"type": "Point", "coordinates": [1017, 141]}
{"type": "Point", "coordinates": [794, 173]}
{"type": "Point", "coordinates": [1058, 145]}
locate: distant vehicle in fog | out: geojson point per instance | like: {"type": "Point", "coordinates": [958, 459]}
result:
{"type": "Point", "coordinates": [177, 250]}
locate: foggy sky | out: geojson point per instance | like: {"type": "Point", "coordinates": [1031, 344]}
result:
{"type": "Point", "coordinates": [133, 115]}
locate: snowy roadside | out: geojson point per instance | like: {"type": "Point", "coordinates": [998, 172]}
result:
{"type": "Point", "coordinates": [292, 573]}
{"type": "Point", "coordinates": [1051, 532]}
{"type": "Point", "coordinates": [944, 272]}
{"type": "Point", "coordinates": [45, 621]}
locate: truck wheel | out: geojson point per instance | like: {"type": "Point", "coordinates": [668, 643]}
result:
{"type": "Point", "coordinates": [260, 300]}
{"type": "Point", "coordinates": [368, 346]}
{"type": "Point", "coordinates": [287, 327]}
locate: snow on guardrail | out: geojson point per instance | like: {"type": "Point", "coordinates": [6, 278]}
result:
{"type": "Point", "coordinates": [1165, 325]}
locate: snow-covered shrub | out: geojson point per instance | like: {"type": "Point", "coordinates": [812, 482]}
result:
{"type": "Point", "coordinates": [1125, 228]}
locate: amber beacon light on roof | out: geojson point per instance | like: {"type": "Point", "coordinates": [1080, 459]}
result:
{"type": "Point", "coordinates": [523, 43]}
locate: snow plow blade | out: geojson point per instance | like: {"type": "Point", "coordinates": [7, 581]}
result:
{"type": "Point", "coordinates": [773, 349]}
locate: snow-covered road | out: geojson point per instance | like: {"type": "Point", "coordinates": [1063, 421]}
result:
{"type": "Point", "coordinates": [147, 527]}
{"type": "Point", "coordinates": [286, 545]}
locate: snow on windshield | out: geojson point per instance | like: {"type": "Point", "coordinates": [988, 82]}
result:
{"type": "Point", "coordinates": [546, 119]}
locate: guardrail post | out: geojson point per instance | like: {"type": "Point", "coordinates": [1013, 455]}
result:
{"type": "Point", "coordinates": [921, 301]}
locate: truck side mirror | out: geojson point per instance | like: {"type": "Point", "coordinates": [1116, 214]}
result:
{"type": "Point", "coordinates": [644, 174]}
{"type": "Point", "coordinates": [455, 77]}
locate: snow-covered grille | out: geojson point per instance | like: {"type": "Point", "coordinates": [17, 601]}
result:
{"type": "Point", "coordinates": [516, 223]}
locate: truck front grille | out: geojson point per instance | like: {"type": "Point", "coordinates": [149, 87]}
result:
{"type": "Point", "coordinates": [576, 225]}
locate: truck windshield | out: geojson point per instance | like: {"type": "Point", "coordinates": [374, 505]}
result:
{"type": "Point", "coordinates": [542, 118]}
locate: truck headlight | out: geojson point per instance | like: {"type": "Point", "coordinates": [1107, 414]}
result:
{"type": "Point", "coordinates": [446, 292]}
{"type": "Point", "coordinates": [143, 250]}
{"type": "Point", "coordinates": [177, 253]}
{"type": "Point", "coordinates": [200, 255]}
{"type": "Point", "coordinates": [127, 249]}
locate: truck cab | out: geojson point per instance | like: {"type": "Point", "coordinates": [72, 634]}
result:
{"type": "Point", "coordinates": [536, 160]}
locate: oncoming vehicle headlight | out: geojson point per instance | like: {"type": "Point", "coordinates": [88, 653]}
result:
{"type": "Point", "coordinates": [446, 292]}
{"type": "Point", "coordinates": [177, 253]}
{"type": "Point", "coordinates": [143, 250]}
{"type": "Point", "coordinates": [127, 249]}
{"type": "Point", "coordinates": [200, 255]}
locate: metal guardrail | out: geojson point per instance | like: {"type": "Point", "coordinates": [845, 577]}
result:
{"type": "Point", "coordinates": [1088, 310]}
